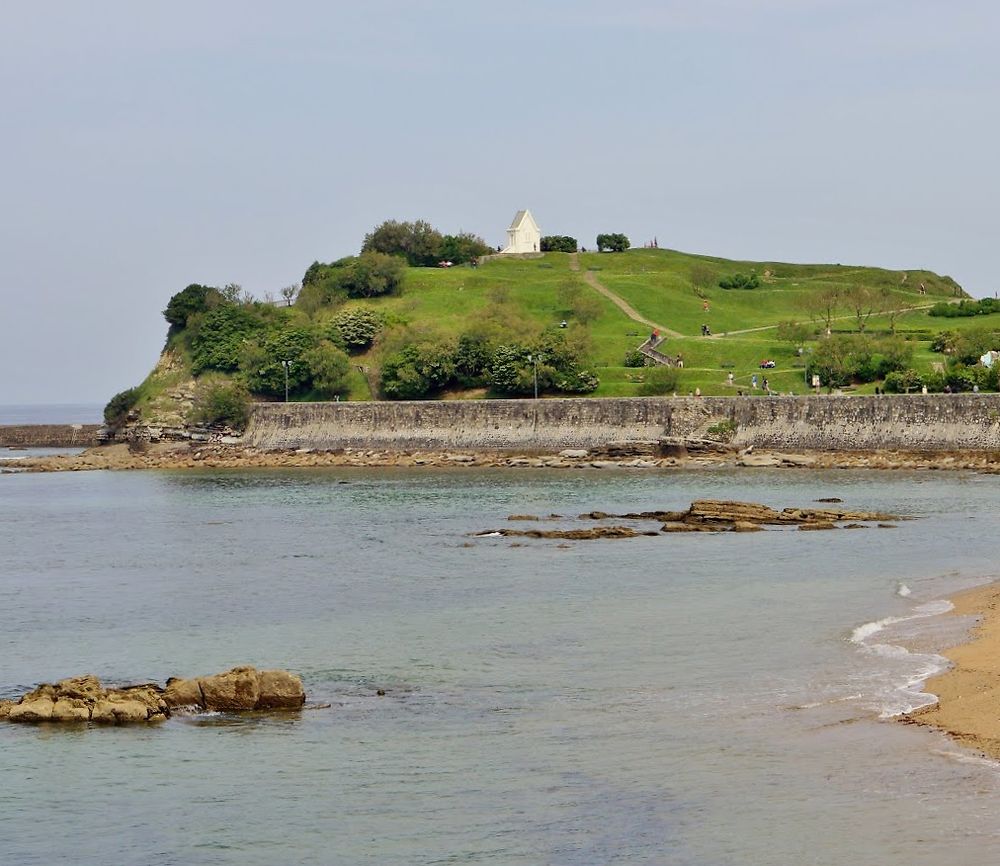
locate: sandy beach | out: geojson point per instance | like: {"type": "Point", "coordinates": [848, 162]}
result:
{"type": "Point", "coordinates": [968, 707]}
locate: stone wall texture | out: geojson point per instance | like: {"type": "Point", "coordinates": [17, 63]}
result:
{"type": "Point", "coordinates": [910, 422]}
{"type": "Point", "coordinates": [48, 435]}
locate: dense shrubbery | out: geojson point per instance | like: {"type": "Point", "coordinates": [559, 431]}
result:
{"type": "Point", "coordinates": [119, 406]}
{"type": "Point", "coordinates": [612, 242]}
{"type": "Point", "coordinates": [366, 276]}
{"type": "Point", "coordinates": [422, 245]}
{"type": "Point", "coordinates": [634, 358]}
{"type": "Point", "coordinates": [740, 281]}
{"type": "Point", "coordinates": [221, 402]}
{"type": "Point", "coordinates": [967, 346]}
{"type": "Point", "coordinates": [965, 308]}
{"type": "Point", "coordinates": [506, 366]}
{"type": "Point", "coordinates": [558, 244]}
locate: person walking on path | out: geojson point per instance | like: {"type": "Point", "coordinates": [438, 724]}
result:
{"type": "Point", "coordinates": [729, 379]}
{"type": "Point", "coordinates": [753, 381]}
{"type": "Point", "coordinates": [765, 386]}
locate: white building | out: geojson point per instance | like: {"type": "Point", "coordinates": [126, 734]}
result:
{"type": "Point", "coordinates": [523, 236]}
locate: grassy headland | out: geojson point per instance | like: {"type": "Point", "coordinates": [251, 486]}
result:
{"type": "Point", "coordinates": [467, 331]}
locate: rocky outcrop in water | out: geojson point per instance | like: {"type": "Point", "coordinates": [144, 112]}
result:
{"type": "Point", "coordinates": [708, 515]}
{"type": "Point", "coordinates": [84, 699]}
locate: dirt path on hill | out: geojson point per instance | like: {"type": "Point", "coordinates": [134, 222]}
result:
{"type": "Point", "coordinates": [834, 319]}
{"type": "Point", "coordinates": [621, 303]}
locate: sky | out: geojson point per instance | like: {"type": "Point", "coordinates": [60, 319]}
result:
{"type": "Point", "coordinates": [146, 146]}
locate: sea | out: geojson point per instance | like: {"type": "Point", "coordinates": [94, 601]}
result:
{"type": "Point", "coordinates": [696, 699]}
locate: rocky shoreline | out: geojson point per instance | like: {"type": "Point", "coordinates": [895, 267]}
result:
{"type": "Point", "coordinates": [633, 456]}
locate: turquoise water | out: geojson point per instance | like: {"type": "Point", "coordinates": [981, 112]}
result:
{"type": "Point", "coordinates": [684, 699]}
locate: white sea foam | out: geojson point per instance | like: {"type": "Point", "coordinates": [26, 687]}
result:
{"type": "Point", "coordinates": [907, 696]}
{"type": "Point", "coordinates": [903, 591]}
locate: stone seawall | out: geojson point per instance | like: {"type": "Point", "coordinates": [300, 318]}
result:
{"type": "Point", "coordinates": [48, 435]}
{"type": "Point", "coordinates": [912, 422]}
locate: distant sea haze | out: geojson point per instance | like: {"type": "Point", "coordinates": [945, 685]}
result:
{"type": "Point", "coordinates": [52, 413]}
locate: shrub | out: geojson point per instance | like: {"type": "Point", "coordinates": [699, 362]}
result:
{"type": "Point", "coordinates": [740, 281]}
{"type": "Point", "coordinates": [221, 402]}
{"type": "Point", "coordinates": [417, 371]}
{"type": "Point", "coordinates": [356, 329]}
{"type": "Point", "coordinates": [119, 406]}
{"type": "Point", "coordinates": [660, 380]}
{"type": "Point", "coordinates": [558, 244]}
{"type": "Point", "coordinates": [612, 243]}
{"type": "Point", "coordinates": [462, 248]}
{"type": "Point", "coordinates": [635, 358]}
{"type": "Point", "coordinates": [724, 430]}
{"type": "Point", "coordinates": [965, 308]}
{"type": "Point", "coordinates": [262, 361]}
{"type": "Point", "coordinates": [328, 368]}
{"type": "Point", "coordinates": [903, 382]}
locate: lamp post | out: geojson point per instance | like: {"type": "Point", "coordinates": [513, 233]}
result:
{"type": "Point", "coordinates": [534, 360]}
{"type": "Point", "coordinates": [286, 364]}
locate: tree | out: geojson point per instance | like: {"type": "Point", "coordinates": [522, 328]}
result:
{"type": "Point", "coordinates": [822, 305]}
{"type": "Point", "coordinates": [862, 302]}
{"type": "Point", "coordinates": [418, 242]}
{"type": "Point", "coordinates": [792, 332]}
{"type": "Point", "coordinates": [892, 307]}
{"type": "Point", "coordinates": [612, 243]}
{"type": "Point", "coordinates": [841, 359]}
{"type": "Point", "coordinates": [220, 337]}
{"type": "Point", "coordinates": [463, 247]}
{"type": "Point", "coordinates": [558, 244]}
{"type": "Point", "coordinates": [365, 276]}
{"type": "Point", "coordinates": [188, 301]}
{"type": "Point", "coordinates": [328, 367]}
{"type": "Point", "coordinates": [289, 293]}
{"type": "Point", "coordinates": [417, 371]}
{"type": "Point", "coordinates": [740, 281]}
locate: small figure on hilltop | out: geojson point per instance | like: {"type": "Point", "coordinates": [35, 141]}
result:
{"type": "Point", "coordinates": [729, 379]}
{"type": "Point", "coordinates": [753, 381]}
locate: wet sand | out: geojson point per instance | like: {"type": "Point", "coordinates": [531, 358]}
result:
{"type": "Point", "coordinates": [968, 707]}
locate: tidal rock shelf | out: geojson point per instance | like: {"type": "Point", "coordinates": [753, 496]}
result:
{"type": "Point", "coordinates": [84, 699]}
{"type": "Point", "coordinates": [706, 515]}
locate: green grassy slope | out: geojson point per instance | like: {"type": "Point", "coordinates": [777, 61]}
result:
{"type": "Point", "coordinates": [659, 284]}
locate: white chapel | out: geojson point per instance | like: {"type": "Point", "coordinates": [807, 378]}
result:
{"type": "Point", "coordinates": [523, 236]}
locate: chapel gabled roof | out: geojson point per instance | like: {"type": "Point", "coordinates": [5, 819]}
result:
{"type": "Point", "coordinates": [518, 219]}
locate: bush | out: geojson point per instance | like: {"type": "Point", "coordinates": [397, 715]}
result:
{"type": "Point", "coordinates": [262, 361]}
{"type": "Point", "coordinates": [417, 371]}
{"type": "Point", "coordinates": [328, 368]}
{"type": "Point", "coordinates": [612, 243]}
{"type": "Point", "coordinates": [356, 329]}
{"type": "Point", "coordinates": [221, 402]}
{"type": "Point", "coordinates": [903, 382]}
{"type": "Point", "coordinates": [740, 281]}
{"type": "Point", "coordinates": [119, 406]}
{"type": "Point", "coordinates": [965, 308]}
{"type": "Point", "coordinates": [635, 358]}
{"type": "Point", "coordinates": [660, 380]}
{"type": "Point", "coordinates": [558, 244]}
{"type": "Point", "coordinates": [193, 299]}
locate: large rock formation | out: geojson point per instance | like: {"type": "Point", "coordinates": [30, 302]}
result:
{"type": "Point", "coordinates": [84, 699]}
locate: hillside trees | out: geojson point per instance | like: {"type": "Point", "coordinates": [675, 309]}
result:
{"type": "Point", "coordinates": [612, 243]}
{"type": "Point", "coordinates": [558, 244]}
{"type": "Point", "coordinates": [366, 276]}
{"type": "Point", "coordinates": [422, 245]}
{"type": "Point", "coordinates": [190, 301]}
{"type": "Point", "coordinates": [740, 281]}
{"type": "Point", "coordinates": [823, 305]}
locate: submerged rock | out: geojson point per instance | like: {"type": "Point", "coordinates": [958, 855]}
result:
{"type": "Point", "coordinates": [84, 699]}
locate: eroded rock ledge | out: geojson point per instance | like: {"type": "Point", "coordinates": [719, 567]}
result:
{"type": "Point", "coordinates": [707, 515]}
{"type": "Point", "coordinates": [84, 699]}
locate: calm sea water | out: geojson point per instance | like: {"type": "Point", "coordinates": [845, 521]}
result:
{"type": "Point", "coordinates": [685, 699]}
{"type": "Point", "coordinates": [52, 413]}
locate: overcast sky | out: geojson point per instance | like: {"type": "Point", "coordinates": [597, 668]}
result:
{"type": "Point", "coordinates": [147, 146]}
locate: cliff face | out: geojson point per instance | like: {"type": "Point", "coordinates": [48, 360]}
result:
{"type": "Point", "coordinates": [915, 422]}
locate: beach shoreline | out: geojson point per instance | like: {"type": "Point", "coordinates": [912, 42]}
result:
{"type": "Point", "coordinates": [968, 693]}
